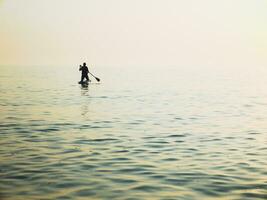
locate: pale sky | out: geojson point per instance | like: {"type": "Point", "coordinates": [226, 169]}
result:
{"type": "Point", "coordinates": [133, 32]}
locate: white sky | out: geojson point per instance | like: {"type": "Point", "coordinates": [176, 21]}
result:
{"type": "Point", "coordinates": [133, 32]}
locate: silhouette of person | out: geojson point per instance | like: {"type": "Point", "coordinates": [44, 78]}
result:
{"type": "Point", "coordinates": [85, 72]}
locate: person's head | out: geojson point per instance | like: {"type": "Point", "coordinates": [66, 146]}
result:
{"type": "Point", "coordinates": [84, 64]}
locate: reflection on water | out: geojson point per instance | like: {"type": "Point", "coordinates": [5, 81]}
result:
{"type": "Point", "coordinates": [164, 134]}
{"type": "Point", "coordinates": [85, 105]}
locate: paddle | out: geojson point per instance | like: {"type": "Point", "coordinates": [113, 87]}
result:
{"type": "Point", "coordinates": [98, 79]}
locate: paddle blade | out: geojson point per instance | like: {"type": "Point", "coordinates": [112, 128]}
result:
{"type": "Point", "coordinates": [97, 79]}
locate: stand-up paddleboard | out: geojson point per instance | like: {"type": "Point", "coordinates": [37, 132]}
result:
{"type": "Point", "coordinates": [84, 82]}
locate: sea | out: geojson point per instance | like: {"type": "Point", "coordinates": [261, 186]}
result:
{"type": "Point", "coordinates": [142, 132]}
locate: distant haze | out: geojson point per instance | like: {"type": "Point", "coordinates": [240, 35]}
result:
{"type": "Point", "coordinates": [133, 32]}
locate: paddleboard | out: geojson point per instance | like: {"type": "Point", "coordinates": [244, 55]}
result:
{"type": "Point", "coordinates": [84, 82]}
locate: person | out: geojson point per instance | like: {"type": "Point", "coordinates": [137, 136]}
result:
{"type": "Point", "coordinates": [85, 72]}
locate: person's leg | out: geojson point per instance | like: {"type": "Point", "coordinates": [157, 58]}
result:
{"type": "Point", "coordinates": [87, 78]}
{"type": "Point", "coordinates": [82, 77]}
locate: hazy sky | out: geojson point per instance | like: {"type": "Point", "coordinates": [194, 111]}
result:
{"type": "Point", "coordinates": [133, 32]}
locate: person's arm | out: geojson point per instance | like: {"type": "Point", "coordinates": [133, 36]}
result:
{"type": "Point", "coordinates": [80, 69]}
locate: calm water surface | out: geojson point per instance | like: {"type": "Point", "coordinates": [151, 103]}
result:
{"type": "Point", "coordinates": [139, 134]}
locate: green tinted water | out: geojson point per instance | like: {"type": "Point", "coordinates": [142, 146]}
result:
{"type": "Point", "coordinates": [139, 134]}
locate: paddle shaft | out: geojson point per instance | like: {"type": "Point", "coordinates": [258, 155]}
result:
{"type": "Point", "coordinates": [91, 74]}
{"type": "Point", "coordinates": [94, 77]}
